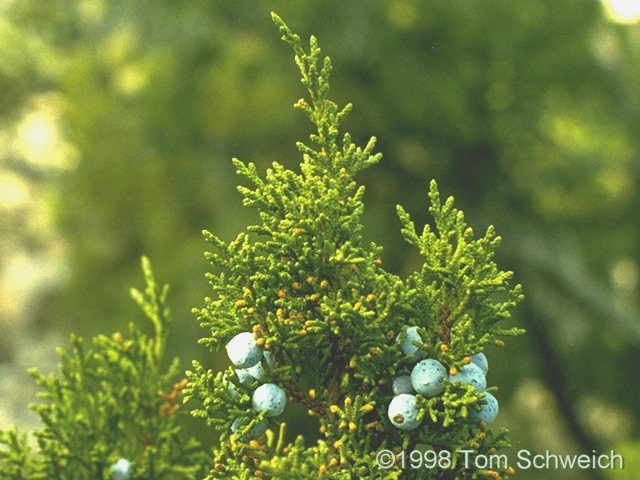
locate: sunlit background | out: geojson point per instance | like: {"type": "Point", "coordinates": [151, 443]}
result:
{"type": "Point", "coordinates": [623, 11]}
{"type": "Point", "coordinates": [118, 121]}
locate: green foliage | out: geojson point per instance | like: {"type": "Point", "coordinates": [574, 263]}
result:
{"type": "Point", "coordinates": [321, 304]}
{"type": "Point", "coordinates": [111, 401]}
{"type": "Point", "coordinates": [456, 285]}
{"type": "Point", "coordinates": [17, 462]}
{"type": "Point", "coordinates": [528, 134]}
{"type": "Point", "coordinates": [630, 452]}
{"type": "Point", "coordinates": [329, 314]}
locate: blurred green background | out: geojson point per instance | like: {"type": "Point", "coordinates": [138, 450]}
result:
{"type": "Point", "coordinates": [118, 120]}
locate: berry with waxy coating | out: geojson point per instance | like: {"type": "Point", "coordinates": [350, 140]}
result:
{"type": "Point", "coordinates": [255, 432]}
{"type": "Point", "coordinates": [269, 397]}
{"type": "Point", "coordinates": [244, 376]}
{"type": "Point", "coordinates": [487, 412]}
{"type": "Point", "coordinates": [243, 350]}
{"type": "Point", "coordinates": [408, 348]}
{"type": "Point", "coordinates": [257, 371]}
{"type": "Point", "coordinates": [471, 374]}
{"type": "Point", "coordinates": [403, 412]}
{"type": "Point", "coordinates": [481, 361]}
{"type": "Point", "coordinates": [121, 470]}
{"type": "Point", "coordinates": [427, 377]}
{"type": "Point", "coordinates": [231, 387]}
{"type": "Point", "coordinates": [268, 357]}
{"type": "Point", "coordinates": [402, 384]}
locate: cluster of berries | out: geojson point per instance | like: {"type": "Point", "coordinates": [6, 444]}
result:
{"type": "Point", "coordinates": [427, 378]}
{"type": "Point", "coordinates": [247, 356]}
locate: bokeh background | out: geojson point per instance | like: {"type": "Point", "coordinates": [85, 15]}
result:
{"type": "Point", "coordinates": [118, 120]}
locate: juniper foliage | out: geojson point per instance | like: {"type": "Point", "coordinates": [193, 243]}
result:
{"type": "Point", "coordinates": [332, 319]}
{"type": "Point", "coordinates": [110, 401]}
{"type": "Point", "coordinates": [320, 302]}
